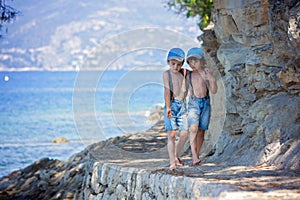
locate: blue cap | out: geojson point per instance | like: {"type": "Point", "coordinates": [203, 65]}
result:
{"type": "Point", "coordinates": [176, 54]}
{"type": "Point", "coordinates": [195, 52]}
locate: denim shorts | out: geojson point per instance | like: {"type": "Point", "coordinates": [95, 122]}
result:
{"type": "Point", "coordinates": [179, 116]}
{"type": "Point", "coordinates": [199, 112]}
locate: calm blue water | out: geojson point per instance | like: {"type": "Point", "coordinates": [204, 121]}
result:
{"type": "Point", "coordinates": [84, 107]}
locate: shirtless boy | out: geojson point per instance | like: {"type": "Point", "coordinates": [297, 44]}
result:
{"type": "Point", "coordinates": [175, 112]}
{"type": "Point", "coordinates": [201, 83]}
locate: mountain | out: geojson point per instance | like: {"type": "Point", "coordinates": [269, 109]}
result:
{"type": "Point", "coordinates": [65, 34]}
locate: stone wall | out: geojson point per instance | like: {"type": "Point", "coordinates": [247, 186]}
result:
{"type": "Point", "coordinates": [255, 44]}
{"type": "Point", "coordinates": [109, 181]}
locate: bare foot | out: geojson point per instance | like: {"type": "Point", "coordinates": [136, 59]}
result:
{"type": "Point", "coordinates": [179, 163]}
{"type": "Point", "coordinates": [196, 163]}
{"type": "Point", "coordinates": [173, 166]}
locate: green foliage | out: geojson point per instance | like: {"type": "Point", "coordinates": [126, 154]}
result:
{"type": "Point", "coordinates": [194, 8]}
{"type": "Point", "coordinates": [7, 14]}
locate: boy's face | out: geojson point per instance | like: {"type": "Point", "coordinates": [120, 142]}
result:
{"type": "Point", "coordinates": [195, 63]}
{"type": "Point", "coordinates": [175, 65]}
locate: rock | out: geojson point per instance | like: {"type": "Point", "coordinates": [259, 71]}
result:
{"type": "Point", "coordinates": [42, 184]}
{"type": "Point", "coordinates": [257, 49]}
{"type": "Point", "coordinates": [60, 140]}
{"type": "Point", "coordinates": [289, 77]}
{"type": "Point", "coordinates": [210, 181]}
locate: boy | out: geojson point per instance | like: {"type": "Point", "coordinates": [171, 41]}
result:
{"type": "Point", "coordinates": [201, 83]}
{"type": "Point", "coordinates": [175, 113]}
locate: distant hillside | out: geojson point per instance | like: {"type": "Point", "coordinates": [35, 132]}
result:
{"type": "Point", "coordinates": [62, 34]}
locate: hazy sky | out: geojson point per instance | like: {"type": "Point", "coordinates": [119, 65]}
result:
{"type": "Point", "coordinates": [62, 34]}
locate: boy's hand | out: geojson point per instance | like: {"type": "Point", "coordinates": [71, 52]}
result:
{"type": "Point", "coordinates": [207, 74]}
{"type": "Point", "coordinates": [169, 113]}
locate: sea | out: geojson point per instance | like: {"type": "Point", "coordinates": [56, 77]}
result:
{"type": "Point", "coordinates": [84, 107]}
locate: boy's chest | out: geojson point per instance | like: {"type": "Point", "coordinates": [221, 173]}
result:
{"type": "Point", "coordinates": [177, 79]}
{"type": "Point", "coordinates": [197, 80]}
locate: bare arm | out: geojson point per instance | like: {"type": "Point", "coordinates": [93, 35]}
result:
{"type": "Point", "coordinates": [167, 94]}
{"type": "Point", "coordinates": [213, 87]}
{"type": "Point", "coordinates": [188, 83]}
{"type": "Point", "coordinates": [183, 90]}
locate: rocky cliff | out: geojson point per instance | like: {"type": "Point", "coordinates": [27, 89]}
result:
{"type": "Point", "coordinates": [255, 45]}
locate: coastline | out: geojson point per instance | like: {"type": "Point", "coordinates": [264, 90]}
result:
{"type": "Point", "coordinates": [136, 166]}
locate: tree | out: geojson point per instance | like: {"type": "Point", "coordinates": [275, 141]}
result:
{"type": "Point", "coordinates": [194, 8]}
{"type": "Point", "coordinates": [7, 14]}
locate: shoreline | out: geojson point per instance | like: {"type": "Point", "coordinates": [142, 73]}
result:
{"type": "Point", "coordinates": [65, 149]}
{"type": "Point", "coordinates": [137, 165]}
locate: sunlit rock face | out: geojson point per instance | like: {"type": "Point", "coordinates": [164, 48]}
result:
{"type": "Point", "coordinates": [255, 45]}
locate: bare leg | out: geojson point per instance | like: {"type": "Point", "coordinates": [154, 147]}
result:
{"type": "Point", "coordinates": [181, 141]}
{"type": "Point", "coordinates": [193, 142]}
{"type": "Point", "coordinates": [171, 148]}
{"type": "Point", "coordinates": [200, 140]}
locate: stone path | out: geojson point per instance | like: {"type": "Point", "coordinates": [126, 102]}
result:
{"type": "Point", "coordinates": [148, 151]}
{"type": "Point", "coordinates": [260, 181]}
